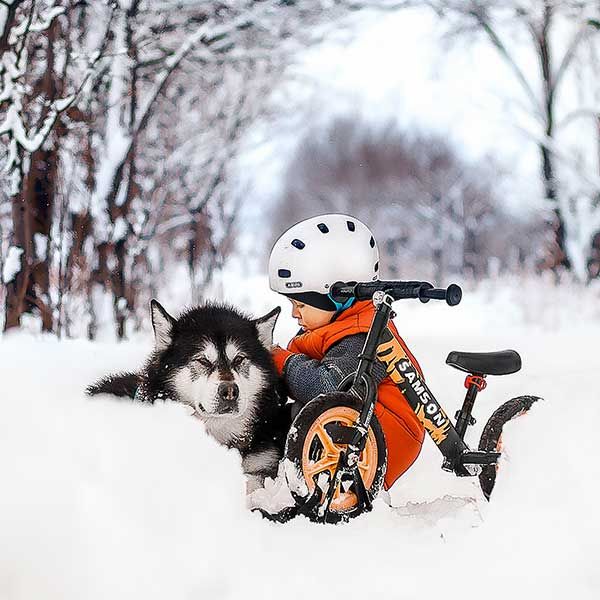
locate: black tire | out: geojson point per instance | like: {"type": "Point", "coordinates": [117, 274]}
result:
{"type": "Point", "coordinates": [491, 436]}
{"type": "Point", "coordinates": [325, 408]}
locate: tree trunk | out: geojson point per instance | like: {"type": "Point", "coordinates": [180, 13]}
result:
{"type": "Point", "coordinates": [32, 212]}
{"type": "Point", "coordinates": [17, 288]}
{"type": "Point", "coordinates": [200, 250]}
{"type": "Point", "coordinates": [32, 215]}
{"type": "Point", "coordinates": [556, 252]}
{"type": "Point", "coordinates": [471, 266]}
{"type": "Point", "coordinates": [437, 243]}
{"type": "Point", "coordinates": [122, 289]}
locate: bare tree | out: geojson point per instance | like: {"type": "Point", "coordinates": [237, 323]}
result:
{"type": "Point", "coordinates": [433, 213]}
{"type": "Point", "coordinates": [499, 22]}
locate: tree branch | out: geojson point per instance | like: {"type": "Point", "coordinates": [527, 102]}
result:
{"type": "Point", "coordinates": [485, 23]}
{"type": "Point", "coordinates": [569, 55]}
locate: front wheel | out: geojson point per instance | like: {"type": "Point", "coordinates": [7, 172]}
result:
{"type": "Point", "coordinates": [312, 454]}
{"type": "Point", "coordinates": [491, 437]}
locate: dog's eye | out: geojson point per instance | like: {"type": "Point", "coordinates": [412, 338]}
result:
{"type": "Point", "coordinates": [204, 362]}
{"type": "Point", "coordinates": [238, 361]}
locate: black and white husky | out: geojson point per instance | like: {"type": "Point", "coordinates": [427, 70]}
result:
{"type": "Point", "coordinates": [217, 361]}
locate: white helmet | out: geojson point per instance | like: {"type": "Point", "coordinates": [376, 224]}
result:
{"type": "Point", "coordinates": [319, 251]}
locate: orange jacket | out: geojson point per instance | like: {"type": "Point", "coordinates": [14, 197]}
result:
{"type": "Point", "coordinates": [403, 431]}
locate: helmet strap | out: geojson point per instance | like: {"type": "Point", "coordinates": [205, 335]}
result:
{"type": "Point", "coordinates": [342, 306]}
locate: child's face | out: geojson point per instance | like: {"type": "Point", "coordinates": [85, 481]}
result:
{"type": "Point", "coordinates": [309, 317]}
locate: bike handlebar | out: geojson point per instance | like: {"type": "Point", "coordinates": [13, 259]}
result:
{"type": "Point", "coordinates": [398, 290]}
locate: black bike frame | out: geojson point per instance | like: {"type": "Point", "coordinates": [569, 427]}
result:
{"type": "Point", "coordinates": [382, 345]}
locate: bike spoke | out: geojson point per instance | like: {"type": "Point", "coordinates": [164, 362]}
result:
{"type": "Point", "coordinates": [327, 463]}
{"type": "Point", "coordinates": [329, 458]}
{"type": "Point", "coordinates": [326, 442]}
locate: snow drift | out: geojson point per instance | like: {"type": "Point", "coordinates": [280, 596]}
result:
{"type": "Point", "coordinates": [103, 498]}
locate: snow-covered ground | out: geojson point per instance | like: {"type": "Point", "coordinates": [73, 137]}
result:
{"type": "Point", "coordinates": [101, 498]}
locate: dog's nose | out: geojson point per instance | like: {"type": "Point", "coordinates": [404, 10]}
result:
{"type": "Point", "coordinates": [228, 391]}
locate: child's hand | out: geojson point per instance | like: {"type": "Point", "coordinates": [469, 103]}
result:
{"type": "Point", "coordinates": [280, 356]}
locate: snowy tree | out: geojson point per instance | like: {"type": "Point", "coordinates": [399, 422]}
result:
{"type": "Point", "coordinates": [137, 109]}
{"type": "Point", "coordinates": [559, 35]}
{"type": "Point", "coordinates": [38, 87]}
{"type": "Point", "coordinates": [433, 213]}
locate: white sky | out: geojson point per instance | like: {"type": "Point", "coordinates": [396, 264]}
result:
{"type": "Point", "coordinates": [396, 67]}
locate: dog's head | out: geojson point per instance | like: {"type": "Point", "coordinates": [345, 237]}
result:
{"type": "Point", "coordinates": [213, 358]}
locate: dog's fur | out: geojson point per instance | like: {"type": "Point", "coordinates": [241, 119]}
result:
{"type": "Point", "coordinates": [217, 361]}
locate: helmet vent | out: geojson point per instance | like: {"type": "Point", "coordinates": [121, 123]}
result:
{"type": "Point", "coordinates": [376, 268]}
{"type": "Point", "coordinates": [351, 226]}
{"type": "Point", "coordinates": [372, 242]}
{"type": "Point", "coordinates": [284, 273]}
{"type": "Point", "coordinates": [298, 244]}
{"type": "Point", "coordinates": [323, 228]}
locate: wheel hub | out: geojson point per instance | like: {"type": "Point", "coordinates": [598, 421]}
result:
{"type": "Point", "coordinates": [321, 455]}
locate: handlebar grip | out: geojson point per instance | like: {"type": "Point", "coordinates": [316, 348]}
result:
{"type": "Point", "coordinates": [399, 290]}
{"type": "Point", "coordinates": [452, 294]}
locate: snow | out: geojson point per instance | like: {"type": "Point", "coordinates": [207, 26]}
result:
{"type": "Point", "coordinates": [12, 264]}
{"type": "Point", "coordinates": [3, 16]}
{"type": "Point", "coordinates": [42, 23]}
{"type": "Point", "coordinates": [106, 498]}
{"type": "Point", "coordinates": [120, 230]}
{"type": "Point", "coordinates": [40, 242]}
{"type": "Point", "coordinates": [276, 495]}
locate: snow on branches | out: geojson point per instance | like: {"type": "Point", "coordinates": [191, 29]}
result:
{"type": "Point", "coordinates": [17, 26]}
{"type": "Point", "coordinates": [11, 264]}
{"type": "Point", "coordinates": [551, 48]}
{"type": "Point", "coordinates": [27, 119]}
{"type": "Point", "coordinates": [122, 121]}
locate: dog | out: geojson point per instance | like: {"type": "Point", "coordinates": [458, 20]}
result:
{"type": "Point", "coordinates": [217, 361]}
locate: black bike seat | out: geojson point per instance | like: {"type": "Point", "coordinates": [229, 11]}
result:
{"type": "Point", "coordinates": [485, 363]}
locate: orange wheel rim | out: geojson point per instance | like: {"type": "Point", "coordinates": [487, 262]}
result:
{"type": "Point", "coordinates": [325, 455]}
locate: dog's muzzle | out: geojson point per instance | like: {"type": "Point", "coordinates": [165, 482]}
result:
{"type": "Point", "coordinates": [228, 394]}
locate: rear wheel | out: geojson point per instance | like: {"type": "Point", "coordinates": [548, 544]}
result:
{"type": "Point", "coordinates": [313, 455]}
{"type": "Point", "coordinates": [491, 437]}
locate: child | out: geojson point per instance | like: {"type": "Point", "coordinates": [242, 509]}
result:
{"type": "Point", "coordinates": [304, 262]}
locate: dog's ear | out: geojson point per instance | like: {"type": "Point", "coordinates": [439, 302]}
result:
{"type": "Point", "coordinates": [265, 326]}
{"type": "Point", "coordinates": [162, 323]}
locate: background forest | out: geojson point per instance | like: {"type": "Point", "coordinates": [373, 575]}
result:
{"type": "Point", "coordinates": [137, 139]}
